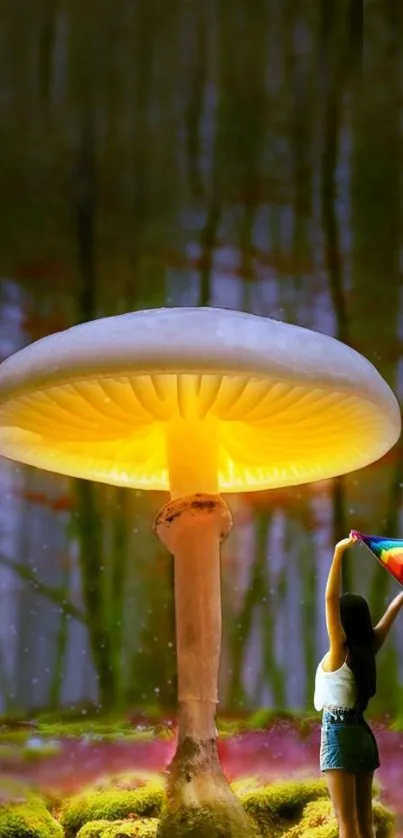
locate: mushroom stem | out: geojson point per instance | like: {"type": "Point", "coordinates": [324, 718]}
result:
{"type": "Point", "coordinates": [192, 529]}
{"type": "Point", "coordinates": [199, 798]}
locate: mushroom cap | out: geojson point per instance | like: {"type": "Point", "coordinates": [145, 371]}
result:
{"type": "Point", "coordinates": [291, 405]}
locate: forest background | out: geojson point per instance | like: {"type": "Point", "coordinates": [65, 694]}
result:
{"type": "Point", "coordinates": [224, 153]}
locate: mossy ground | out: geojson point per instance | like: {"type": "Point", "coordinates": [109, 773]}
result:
{"type": "Point", "coordinates": [317, 821]}
{"type": "Point", "coordinates": [140, 828]}
{"type": "Point", "coordinates": [24, 814]}
{"type": "Point", "coordinates": [13, 754]}
{"type": "Point", "coordinates": [130, 805]}
{"type": "Point", "coordinates": [275, 809]}
{"type": "Point", "coordinates": [111, 805]}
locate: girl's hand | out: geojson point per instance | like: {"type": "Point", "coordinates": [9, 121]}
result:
{"type": "Point", "coordinates": [385, 624]}
{"type": "Point", "coordinates": [345, 543]}
{"type": "Point", "coordinates": [399, 599]}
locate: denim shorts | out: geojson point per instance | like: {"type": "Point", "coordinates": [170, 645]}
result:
{"type": "Point", "coordinates": [347, 742]}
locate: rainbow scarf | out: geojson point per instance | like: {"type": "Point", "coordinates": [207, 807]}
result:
{"type": "Point", "coordinates": [388, 551]}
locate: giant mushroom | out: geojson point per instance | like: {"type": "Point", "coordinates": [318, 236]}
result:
{"type": "Point", "coordinates": [195, 401]}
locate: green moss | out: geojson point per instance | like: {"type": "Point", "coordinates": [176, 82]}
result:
{"type": "Point", "coordinates": [111, 805]}
{"type": "Point", "coordinates": [9, 753]}
{"type": "Point", "coordinates": [14, 737]}
{"type": "Point", "coordinates": [265, 717]}
{"type": "Point", "coordinates": [27, 818]}
{"type": "Point", "coordinates": [231, 727]}
{"type": "Point", "coordinates": [138, 829]}
{"type": "Point", "coordinates": [105, 727]}
{"type": "Point", "coordinates": [246, 784]}
{"type": "Point", "coordinates": [164, 733]}
{"type": "Point", "coordinates": [318, 822]}
{"type": "Point", "coordinates": [53, 800]}
{"type": "Point", "coordinates": [384, 820]}
{"type": "Point", "coordinates": [110, 728]}
{"type": "Point", "coordinates": [54, 727]}
{"type": "Point", "coordinates": [307, 724]}
{"type": "Point", "coordinates": [93, 829]}
{"type": "Point", "coordinates": [34, 753]}
{"type": "Point", "coordinates": [14, 753]}
{"type": "Point", "coordinates": [397, 724]}
{"type": "Point", "coordinates": [78, 728]}
{"type": "Point", "coordinates": [97, 731]}
{"type": "Point", "coordinates": [276, 806]}
{"type": "Point", "coordinates": [12, 790]}
{"type": "Point", "coordinates": [289, 809]}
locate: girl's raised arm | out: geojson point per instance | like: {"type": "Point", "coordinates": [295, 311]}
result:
{"type": "Point", "coordinates": [384, 626]}
{"type": "Point", "coordinates": [334, 627]}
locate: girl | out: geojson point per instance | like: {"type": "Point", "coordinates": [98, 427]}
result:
{"type": "Point", "coordinates": [345, 681]}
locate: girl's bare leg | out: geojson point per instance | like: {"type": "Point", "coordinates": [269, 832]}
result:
{"type": "Point", "coordinates": [342, 789]}
{"type": "Point", "coordinates": [363, 793]}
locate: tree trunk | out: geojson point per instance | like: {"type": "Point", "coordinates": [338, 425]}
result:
{"type": "Point", "coordinates": [56, 685]}
{"type": "Point", "coordinates": [332, 68]}
{"type": "Point", "coordinates": [272, 670]}
{"type": "Point", "coordinates": [242, 621]}
{"type": "Point", "coordinates": [115, 600]}
{"type": "Point", "coordinates": [247, 272]}
{"type": "Point", "coordinates": [86, 514]}
{"type": "Point", "coordinates": [309, 617]}
{"type": "Point", "coordinates": [89, 533]}
{"type": "Point", "coordinates": [194, 108]}
{"type": "Point", "coordinates": [208, 241]}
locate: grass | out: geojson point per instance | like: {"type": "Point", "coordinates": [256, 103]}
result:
{"type": "Point", "coordinates": [109, 728]}
{"type": "Point", "coordinates": [266, 718]}
{"type": "Point", "coordinates": [26, 752]}
{"type": "Point", "coordinates": [94, 729]}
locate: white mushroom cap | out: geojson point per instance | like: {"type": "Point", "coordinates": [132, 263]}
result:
{"type": "Point", "coordinates": [289, 405]}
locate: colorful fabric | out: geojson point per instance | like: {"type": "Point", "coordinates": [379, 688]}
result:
{"type": "Point", "coordinates": [388, 551]}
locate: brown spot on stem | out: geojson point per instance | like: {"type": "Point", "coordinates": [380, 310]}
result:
{"type": "Point", "coordinates": [203, 504]}
{"type": "Point", "coordinates": [170, 518]}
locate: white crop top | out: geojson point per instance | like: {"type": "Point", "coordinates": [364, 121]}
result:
{"type": "Point", "coordinates": [336, 689]}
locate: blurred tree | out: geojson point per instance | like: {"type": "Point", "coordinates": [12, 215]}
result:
{"type": "Point", "coordinates": [336, 60]}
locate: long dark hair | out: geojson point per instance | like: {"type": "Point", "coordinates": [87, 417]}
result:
{"type": "Point", "coordinates": [360, 642]}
